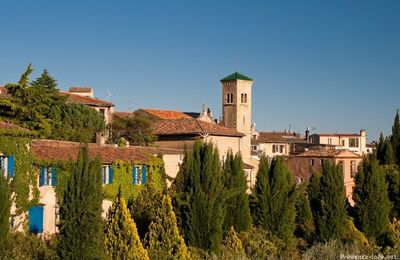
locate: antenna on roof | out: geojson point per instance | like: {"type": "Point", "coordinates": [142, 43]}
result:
{"type": "Point", "coordinates": [130, 104]}
{"type": "Point", "coordinates": [109, 95]}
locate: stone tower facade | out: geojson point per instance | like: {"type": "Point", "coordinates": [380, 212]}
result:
{"type": "Point", "coordinates": [236, 108]}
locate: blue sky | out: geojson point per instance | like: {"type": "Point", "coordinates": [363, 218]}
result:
{"type": "Point", "coordinates": [332, 65]}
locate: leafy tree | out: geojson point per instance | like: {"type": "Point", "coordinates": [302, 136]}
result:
{"type": "Point", "coordinates": [5, 206]}
{"type": "Point", "coordinates": [144, 208]}
{"type": "Point", "coordinates": [395, 138]}
{"type": "Point", "coordinates": [135, 129]}
{"type": "Point", "coordinates": [328, 202]}
{"type": "Point", "coordinates": [275, 198]}
{"type": "Point", "coordinates": [81, 228]}
{"type": "Point", "coordinates": [238, 210]}
{"type": "Point", "coordinates": [76, 122]}
{"type": "Point", "coordinates": [232, 247]}
{"type": "Point", "coordinates": [393, 181]}
{"type": "Point", "coordinates": [122, 240]}
{"type": "Point", "coordinates": [200, 197]}
{"type": "Point", "coordinates": [372, 205]}
{"type": "Point", "coordinates": [304, 219]}
{"type": "Point", "coordinates": [163, 239]}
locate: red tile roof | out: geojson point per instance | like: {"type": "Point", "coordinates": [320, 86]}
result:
{"type": "Point", "coordinates": [338, 134]}
{"type": "Point", "coordinates": [4, 91]}
{"type": "Point", "coordinates": [328, 153]}
{"type": "Point", "coordinates": [191, 126]}
{"type": "Point", "coordinates": [166, 114]}
{"type": "Point", "coordinates": [77, 99]}
{"type": "Point", "coordinates": [278, 137]}
{"type": "Point", "coordinates": [63, 150]}
{"type": "Point", "coordinates": [11, 127]}
{"type": "Point", "coordinates": [81, 89]}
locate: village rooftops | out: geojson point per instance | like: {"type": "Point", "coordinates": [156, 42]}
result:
{"type": "Point", "coordinates": [54, 150]}
{"type": "Point", "coordinates": [81, 89]}
{"type": "Point", "coordinates": [191, 126]}
{"type": "Point", "coordinates": [278, 137]}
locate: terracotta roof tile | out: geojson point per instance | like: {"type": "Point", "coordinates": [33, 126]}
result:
{"type": "Point", "coordinates": [166, 114]}
{"type": "Point", "coordinates": [81, 89]}
{"type": "Point", "coordinates": [191, 126]}
{"type": "Point", "coordinates": [72, 98]}
{"type": "Point", "coordinates": [8, 126]}
{"type": "Point", "coordinates": [278, 137]}
{"type": "Point", "coordinates": [64, 151]}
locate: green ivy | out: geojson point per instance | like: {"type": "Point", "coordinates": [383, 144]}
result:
{"type": "Point", "coordinates": [17, 144]}
{"type": "Point", "coordinates": [122, 177]}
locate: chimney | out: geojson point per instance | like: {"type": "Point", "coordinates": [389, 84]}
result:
{"type": "Point", "coordinates": [307, 134]}
{"type": "Point", "coordinates": [100, 140]}
{"type": "Point", "coordinates": [363, 133]}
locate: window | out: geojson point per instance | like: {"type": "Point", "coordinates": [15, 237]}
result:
{"type": "Point", "coordinates": [321, 162]}
{"type": "Point", "coordinates": [245, 98]}
{"type": "Point", "coordinates": [353, 142]}
{"type": "Point", "coordinates": [343, 143]}
{"type": "Point", "coordinates": [48, 176]}
{"type": "Point", "coordinates": [242, 98]}
{"type": "Point", "coordinates": [229, 98]}
{"type": "Point", "coordinates": [329, 140]}
{"type": "Point", "coordinates": [7, 166]}
{"type": "Point", "coordinates": [281, 148]}
{"type": "Point", "coordinates": [312, 162]}
{"type": "Point", "coordinates": [139, 174]}
{"type": "Point", "coordinates": [254, 147]}
{"type": "Point", "coordinates": [104, 174]}
{"type": "Point", "coordinates": [103, 112]}
{"type": "Point", "coordinates": [352, 169]}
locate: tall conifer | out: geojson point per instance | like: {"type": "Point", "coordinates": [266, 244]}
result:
{"type": "Point", "coordinates": [372, 205]}
{"type": "Point", "coordinates": [238, 211]}
{"type": "Point", "coordinates": [5, 206]}
{"type": "Point", "coordinates": [200, 197]}
{"type": "Point", "coordinates": [163, 239]}
{"type": "Point", "coordinates": [275, 199]}
{"type": "Point", "coordinates": [328, 202]}
{"type": "Point", "coordinates": [395, 138]}
{"type": "Point", "coordinates": [81, 227]}
{"type": "Point", "coordinates": [122, 240]}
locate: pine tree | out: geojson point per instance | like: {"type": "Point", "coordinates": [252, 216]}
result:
{"type": "Point", "coordinates": [328, 202]}
{"type": "Point", "coordinates": [395, 138]}
{"type": "Point", "coordinates": [5, 206]}
{"type": "Point", "coordinates": [238, 210]}
{"type": "Point", "coordinates": [81, 227]}
{"type": "Point", "coordinates": [372, 205]}
{"type": "Point", "coordinates": [163, 239]}
{"type": "Point", "coordinates": [122, 240]}
{"type": "Point", "coordinates": [275, 199]}
{"type": "Point", "coordinates": [200, 198]}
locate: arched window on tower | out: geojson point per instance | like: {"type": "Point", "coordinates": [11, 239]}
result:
{"type": "Point", "coordinates": [245, 98]}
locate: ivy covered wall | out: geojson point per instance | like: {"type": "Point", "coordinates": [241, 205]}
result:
{"type": "Point", "coordinates": [23, 185]}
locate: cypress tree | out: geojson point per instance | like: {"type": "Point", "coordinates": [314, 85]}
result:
{"type": "Point", "coordinates": [380, 149]}
{"type": "Point", "coordinates": [81, 226]}
{"type": "Point", "coordinates": [304, 219]}
{"type": "Point", "coordinates": [163, 239]}
{"type": "Point", "coordinates": [238, 210]}
{"type": "Point", "coordinates": [388, 154]}
{"type": "Point", "coordinates": [122, 240]}
{"type": "Point", "coordinates": [276, 199]}
{"type": "Point", "coordinates": [144, 207]}
{"type": "Point", "coordinates": [5, 206]}
{"type": "Point", "coordinates": [259, 206]}
{"type": "Point", "coordinates": [372, 205]}
{"type": "Point", "coordinates": [200, 198]}
{"type": "Point", "coordinates": [328, 202]}
{"type": "Point", "coordinates": [395, 138]}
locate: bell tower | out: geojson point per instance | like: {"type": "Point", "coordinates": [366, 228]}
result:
{"type": "Point", "coordinates": [236, 107]}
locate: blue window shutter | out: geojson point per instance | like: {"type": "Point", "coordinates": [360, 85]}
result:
{"type": "Point", "coordinates": [41, 176]}
{"type": "Point", "coordinates": [134, 174]}
{"type": "Point", "coordinates": [144, 174]}
{"type": "Point", "coordinates": [110, 174]}
{"type": "Point", "coordinates": [10, 166]}
{"type": "Point", "coordinates": [54, 177]}
{"type": "Point", "coordinates": [36, 219]}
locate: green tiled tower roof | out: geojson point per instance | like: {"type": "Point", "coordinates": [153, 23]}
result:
{"type": "Point", "coordinates": [236, 76]}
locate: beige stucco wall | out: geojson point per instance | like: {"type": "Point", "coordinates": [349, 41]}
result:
{"type": "Point", "coordinates": [172, 163]}
{"type": "Point", "coordinates": [108, 111]}
{"type": "Point", "coordinates": [266, 148]}
{"type": "Point", "coordinates": [342, 142]}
